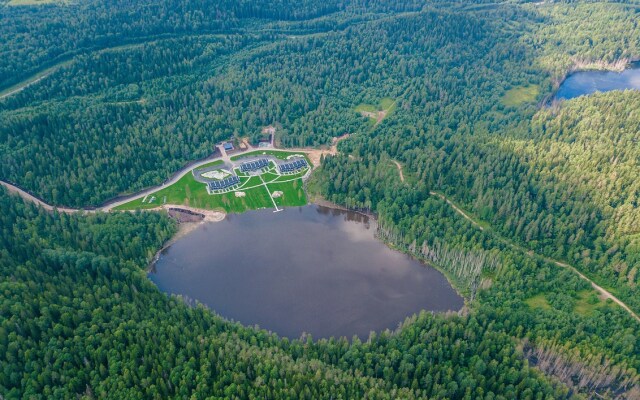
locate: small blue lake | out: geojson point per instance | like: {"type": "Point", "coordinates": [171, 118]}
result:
{"type": "Point", "coordinates": [588, 82]}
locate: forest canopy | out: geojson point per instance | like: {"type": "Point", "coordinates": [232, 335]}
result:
{"type": "Point", "coordinates": [100, 99]}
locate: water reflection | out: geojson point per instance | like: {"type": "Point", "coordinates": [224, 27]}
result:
{"type": "Point", "coordinates": [311, 269]}
{"type": "Point", "coordinates": [587, 82]}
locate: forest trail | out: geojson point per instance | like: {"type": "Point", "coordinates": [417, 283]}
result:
{"type": "Point", "coordinates": [399, 170]}
{"type": "Point", "coordinates": [383, 114]}
{"type": "Point", "coordinates": [603, 292]}
{"type": "Point", "coordinates": [67, 59]}
{"type": "Point", "coordinates": [23, 85]}
{"type": "Point", "coordinates": [458, 210]}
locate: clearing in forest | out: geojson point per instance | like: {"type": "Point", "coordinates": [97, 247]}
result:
{"type": "Point", "coordinates": [520, 95]}
{"type": "Point", "coordinates": [376, 113]}
{"type": "Point", "coordinates": [584, 302]}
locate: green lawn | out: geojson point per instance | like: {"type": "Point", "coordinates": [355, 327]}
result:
{"type": "Point", "coordinates": [293, 193]}
{"type": "Point", "coordinates": [282, 178]}
{"type": "Point", "coordinates": [189, 192]}
{"type": "Point", "coordinates": [520, 95]}
{"type": "Point", "coordinates": [270, 176]}
{"type": "Point", "coordinates": [211, 164]}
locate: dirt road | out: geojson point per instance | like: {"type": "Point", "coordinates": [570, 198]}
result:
{"type": "Point", "coordinates": [603, 292]}
{"type": "Point", "coordinates": [458, 210]}
{"type": "Point", "coordinates": [399, 170]}
{"type": "Point", "coordinates": [316, 154]}
{"type": "Point", "coordinates": [23, 86]}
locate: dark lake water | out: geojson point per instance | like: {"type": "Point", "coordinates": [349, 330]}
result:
{"type": "Point", "coordinates": [309, 269]}
{"type": "Point", "coordinates": [587, 82]}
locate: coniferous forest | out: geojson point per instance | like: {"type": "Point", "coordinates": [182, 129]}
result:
{"type": "Point", "coordinates": [100, 99]}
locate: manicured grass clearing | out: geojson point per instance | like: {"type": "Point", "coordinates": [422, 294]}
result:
{"type": "Point", "coordinates": [269, 176]}
{"type": "Point", "coordinates": [251, 182]}
{"type": "Point", "coordinates": [292, 193]}
{"type": "Point", "coordinates": [538, 301]}
{"type": "Point", "coordinates": [283, 178]}
{"type": "Point", "coordinates": [211, 164]}
{"type": "Point", "coordinates": [520, 95]}
{"type": "Point", "coordinates": [187, 191]}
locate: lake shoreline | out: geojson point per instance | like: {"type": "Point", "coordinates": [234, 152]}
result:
{"type": "Point", "coordinates": [613, 66]}
{"type": "Point", "coordinates": [184, 228]}
{"type": "Point", "coordinates": [332, 262]}
{"type": "Point", "coordinates": [319, 200]}
{"type": "Point", "coordinates": [580, 67]}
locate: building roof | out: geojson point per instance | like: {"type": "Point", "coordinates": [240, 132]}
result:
{"type": "Point", "coordinates": [254, 165]}
{"type": "Point", "coordinates": [225, 183]}
{"type": "Point", "coordinates": [293, 165]}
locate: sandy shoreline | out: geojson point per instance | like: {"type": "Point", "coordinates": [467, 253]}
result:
{"type": "Point", "coordinates": [184, 227]}
{"type": "Point", "coordinates": [209, 215]}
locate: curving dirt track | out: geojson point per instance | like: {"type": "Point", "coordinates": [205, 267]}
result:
{"type": "Point", "coordinates": [603, 292]}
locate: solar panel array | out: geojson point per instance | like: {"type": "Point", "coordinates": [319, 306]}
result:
{"type": "Point", "coordinates": [254, 165]}
{"type": "Point", "coordinates": [293, 166]}
{"type": "Point", "coordinates": [225, 183]}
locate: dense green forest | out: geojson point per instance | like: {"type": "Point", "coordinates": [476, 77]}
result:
{"type": "Point", "coordinates": [80, 317]}
{"type": "Point", "coordinates": [130, 91]}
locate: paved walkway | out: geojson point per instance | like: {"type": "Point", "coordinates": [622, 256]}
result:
{"type": "Point", "coordinates": [270, 196]}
